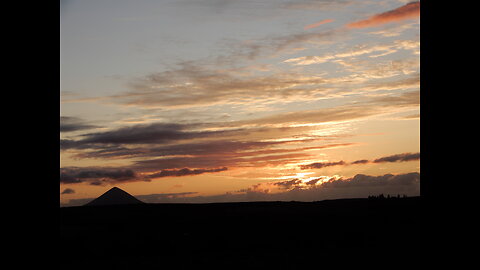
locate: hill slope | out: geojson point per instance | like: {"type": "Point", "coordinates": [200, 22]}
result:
{"type": "Point", "coordinates": [115, 196]}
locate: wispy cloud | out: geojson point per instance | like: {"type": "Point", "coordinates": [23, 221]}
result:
{"type": "Point", "coordinates": [317, 24]}
{"type": "Point", "coordinates": [184, 172]}
{"type": "Point", "coordinates": [399, 158]}
{"type": "Point", "coordinates": [70, 124]}
{"type": "Point", "coordinates": [109, 175]}
{"type": "Point", "coordinates": [322, 5]}
{"type": "Point", "coordinates": [408, 11]}
{"type": "Point", "coordinates": [68, 191]}
{"type": "Point", "coordinates": [374, 51]}
{"type": "Point", "coordinates": [393, 158]}
{"type": "Point", "coordinates": [95, 175]}
{"type": "Point", "coordinates": [318, 165]}
{"type": "Point", "coordinates": [164, 146]}
{"type": "Point", "coordinates": [155, 133]}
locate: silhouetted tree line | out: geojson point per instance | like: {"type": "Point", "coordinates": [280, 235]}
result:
{"type": "Point", "coordinates": [381, 196]}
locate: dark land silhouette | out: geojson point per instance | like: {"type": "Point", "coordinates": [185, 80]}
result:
{"type": "Point", "coordinates": [115, 196]}
{"type": "Point", "coordinates": [292, 234]}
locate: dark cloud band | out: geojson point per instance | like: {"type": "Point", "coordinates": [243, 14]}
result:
{"type": "Point", "coordinates": [393, 158]}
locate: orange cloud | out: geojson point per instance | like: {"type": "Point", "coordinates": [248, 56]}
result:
{"type": "Point", "coordinates": [317, 24]}
{"type": "Point", "coordinates": [407, 11]}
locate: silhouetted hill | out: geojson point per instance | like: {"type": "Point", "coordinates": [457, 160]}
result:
{"type": "Point", "coordinates": [115, 196]}
{"type": "Point", "coordinates": [252, 233]}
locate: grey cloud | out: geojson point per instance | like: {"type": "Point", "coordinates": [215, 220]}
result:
{"type": "Point", "coordinates": [213, 154]}
{"type": "Point", "coordinates": [144, 134]}
{"type": "Point", "coordinates": [95, 175]}
{"type": "Point", "coordinates": [70, 124]}
{"type": "Point", "coordinates": [218, 148]}
{"type": "Point", "coordinates": [399, 157]}
{"type": "Point", "coordinates": [288, 184]}
{"type": "Point", "coordinates": [208, 148]}
{"type": "Point", "coordinates": [215, 161]}
{"type": "Point", "coordinates": [361, 180]}
{"type": "Point", "coordinates": [318, 4]}
{"type": "Point", "coordinates": [393, 158]}
{"type": "Point", "coordinates": [173, 88]}
{"type": "Point", "coordinates": [319, 165]}
{"type": "Point", "coordinates": [362, 161]}
{"type": "Point", "coordinates": [102, 175]}
{"type": "Point", "coordinates": [156, 133]}
{"type": "Point", "coordinates": [411, 98]}
{"type": "Point", "coordinates": [68, 191]}
{"type": "Point", "coordinates": [184, 172]}
{"type": "Point", "coordinates": [192, 83]}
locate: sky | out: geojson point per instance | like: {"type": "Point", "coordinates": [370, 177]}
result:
{"type": "Point", "coordinates": [223, 100]}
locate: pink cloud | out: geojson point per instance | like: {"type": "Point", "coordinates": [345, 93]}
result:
{"type": "Point", "coordinates": [317, 24]}
{"type": "Point", "coordinates": [408, 11]}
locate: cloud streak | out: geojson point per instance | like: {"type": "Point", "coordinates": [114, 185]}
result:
{"type": "Point", "coordinates": [317, 24]}
{"type": "Point", "coordinates": [156, 133]}
{"type": "Point", "coordinates": [319, 165]}
{"type": "Point", "coordinates": [71, 124]}
{"type": "Point", "coordinates": [404, 157]}
{"type": "Point", "coordinates": [184, 172]}
{"type": "Point", "coordinates": [399, 158]}
{"type": "Point", "coordinates": [96, 175]}
{"type": "Point", "coordinates": [408, 11]}
{"type": "Point", "coordinates": [104, 175]}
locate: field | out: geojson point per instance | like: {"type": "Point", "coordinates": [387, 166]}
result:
{"type": "Point", "coordinates": [265, 234]}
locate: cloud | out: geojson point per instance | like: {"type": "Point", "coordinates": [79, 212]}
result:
{"type": "Point", "coordinates": [404, 157]}
{"type": "Point", "coordinates": [373, 51]}
{"type": "Point", "coordinates": [319, 165]}
{"type": "Point", "coordinates": [403, 101]}
{"type": "Point", "coordinates": [210, 82]}
{"type": "Point", "coordinates": [362, 161]}
{"type": "Point", "coordinates": [317, 24]}
{"type": "Point", "coordinates": [288, 184]}
{"type": "Point", "coordinates": [152, 133]}
{"type": "Point", "coordinates": [220, 149]}
{"type": "Point", "coordinates": [68, 191]}
{"type": "Point", "coordinates": [322, 5]}
{"type": "Point", "coordinates": [96, 175]}
{"type": "Point", "coordinates": [399, 158]}
{"type": "Point", "coordinates": [109, 175]}
{"type": "Point", "coordinates": [149, 165]}
{"type": "Point", "coordinates": [361, 180]}
{"type": "Point", "coordinates": [408, 11]}
{"type": "Point", "coordinates": [163, 146]}
{"type": "Point", "coordinates": [70, 124]}
{"type": "Point", "coordinates": [184, 172]}
{"type": "Point", "coordinates": [155, 133]}
{"type": "Point", "coordinates": [194, 85]}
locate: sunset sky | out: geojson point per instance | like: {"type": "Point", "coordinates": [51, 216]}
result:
{"type": "Point", "coordinates": [223, 100]}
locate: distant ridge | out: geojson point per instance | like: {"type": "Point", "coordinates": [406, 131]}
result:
{"type": "Point", "coordinates": [114, 196]}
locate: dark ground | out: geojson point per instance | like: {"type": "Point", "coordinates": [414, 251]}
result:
{"type": "Point", "coordinates": [244, 235]}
